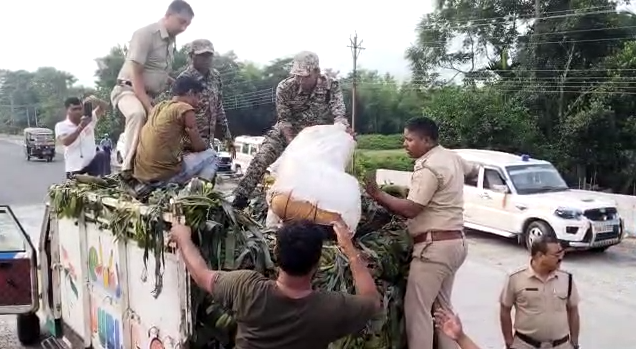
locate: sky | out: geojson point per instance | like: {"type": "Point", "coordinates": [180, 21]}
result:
{"type": "Point", "coordinates": [69, 35]}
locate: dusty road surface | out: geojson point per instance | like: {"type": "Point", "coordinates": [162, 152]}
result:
{"type": "Point", "coordinates": [607, 281]}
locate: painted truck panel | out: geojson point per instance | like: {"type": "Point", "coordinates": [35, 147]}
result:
{"type": "Point", "coordinates": [106, 290]}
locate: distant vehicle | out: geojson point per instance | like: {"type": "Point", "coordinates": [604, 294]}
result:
{"type": "Point", "coordinates": [246, 148]}
{"type": "Point", "coordinates": [225, 158]}
{"type": "Point", "coordinates": [39, 143]}
{"type": "Point", "coordinates": [517, 196]}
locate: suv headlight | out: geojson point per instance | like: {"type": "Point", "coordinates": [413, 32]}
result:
{"type": "Point", "coordinates": [568, 213]}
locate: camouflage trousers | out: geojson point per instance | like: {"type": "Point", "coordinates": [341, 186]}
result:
{"type": "Point", "coordinates": [271, 149]}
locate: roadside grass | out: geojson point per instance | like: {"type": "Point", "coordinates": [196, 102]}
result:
{"type": "Point", "coordinates": [378, 154]}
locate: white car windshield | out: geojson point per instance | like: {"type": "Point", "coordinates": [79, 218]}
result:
{"type": "Point", "coordinates": [534, 179]}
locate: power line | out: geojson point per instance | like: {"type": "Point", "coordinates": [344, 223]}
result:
{"type": "Point", "coordinates": [488, 21]}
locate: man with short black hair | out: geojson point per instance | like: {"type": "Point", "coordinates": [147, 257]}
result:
{"type": "Point", "coordinates": [77, 134]}
{"type": "Point", "coordinates": [160, 156]}
{"type": "Point", "coordinates": [435, 211]}
{"type": "Point", "coordinates": [545, 300]}
{"type": "Point", "coordinates": [145, 73]}
{"type": "Point", "coordinates": [288, 313]}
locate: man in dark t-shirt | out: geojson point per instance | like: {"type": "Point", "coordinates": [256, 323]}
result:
{"type": "Point", "coordinates": [287, 313]}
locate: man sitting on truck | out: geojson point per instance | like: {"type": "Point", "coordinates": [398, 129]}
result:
{"type": "Point", "coordinates": [161, 157]}
{"type": "Point", "coordinates": [287, 313]}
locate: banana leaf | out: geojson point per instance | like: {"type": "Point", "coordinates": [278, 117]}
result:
{"type": "Point", "coordinates": [229, 240]}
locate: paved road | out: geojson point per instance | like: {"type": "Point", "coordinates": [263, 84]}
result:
{"type": "Point", "coordinates": [607, 282]}
{"type": "Point", "coordinates": [24, 187]}
{"type": "Point", "coordinates": [26, 182]}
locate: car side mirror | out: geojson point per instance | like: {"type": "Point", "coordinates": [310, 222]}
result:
{"type": "Point", "coordinates": [500, 188]}
{"type": "Point", "coordinates": [18, 267]}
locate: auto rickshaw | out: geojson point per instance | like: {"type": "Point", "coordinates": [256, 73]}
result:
{"type": "Point", "coordinates": [39, 143]}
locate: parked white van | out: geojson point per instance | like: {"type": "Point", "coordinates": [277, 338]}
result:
{"type": "Point", "coordinates": [246, 147]}
{"type": "Point", "coordinates": [517, 196]}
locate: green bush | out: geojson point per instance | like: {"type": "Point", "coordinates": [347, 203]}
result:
{"type": "Point", "coordinates": [380, 142]}
{"type": "Point", "coordinates": [366, 161]}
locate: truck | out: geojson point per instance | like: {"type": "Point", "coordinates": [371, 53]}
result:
{"type": "Point", "coordinates": [103, 274]}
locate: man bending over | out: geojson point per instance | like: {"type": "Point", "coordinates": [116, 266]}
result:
{"type": "Point", "coordinates": [287, 313]}
{"type": "Point", "coordinates": [160, 156]}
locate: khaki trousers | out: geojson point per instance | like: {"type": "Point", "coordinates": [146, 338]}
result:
{"type": "Point", "coordinates": [430, 282]}
{"type": "Point", "coordinates": [135, 115]}
{"type": "Point", "coordinates": [519, 344]}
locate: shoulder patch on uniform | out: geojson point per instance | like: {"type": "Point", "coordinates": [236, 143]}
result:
{"type": "Point", "coordinates": [520, 270]}
{"type": "Point", "coordinates": [564, 272]}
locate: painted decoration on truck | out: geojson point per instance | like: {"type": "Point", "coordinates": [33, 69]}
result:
{"type": "Point", "coordinates": [70, 276]}
{"type": "Point", "coordinates": [69, 284]}
{"type": "Point", "coordinates": [106, 328]}
{"type": "Point", "coordinates": [103, 268]}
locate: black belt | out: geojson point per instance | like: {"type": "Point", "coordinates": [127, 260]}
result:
{"type": "Point", "coordinates": [129, 84]}
{"type": "Point", "coordinates": [537, 344]}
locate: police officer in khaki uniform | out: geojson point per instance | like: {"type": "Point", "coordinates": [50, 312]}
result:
{"type": "Point", "coordinates": [434, 208]}
{"type": "Point", "coordinates": [144, 74]}
{"type": "Point", "coordinates": [545, 301]}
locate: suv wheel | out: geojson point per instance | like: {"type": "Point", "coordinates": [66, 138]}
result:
{"type": "Point", "coordinates": [535, 230]}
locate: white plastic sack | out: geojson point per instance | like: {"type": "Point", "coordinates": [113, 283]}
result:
{"type": "Point", "coordinates": [312, 168]}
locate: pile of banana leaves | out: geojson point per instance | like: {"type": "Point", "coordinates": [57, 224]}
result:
{"type": "Point", "coordinates": [229, 239]}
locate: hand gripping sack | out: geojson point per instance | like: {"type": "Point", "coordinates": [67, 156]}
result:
{"type": "Point", "coordinates": [310, 178]}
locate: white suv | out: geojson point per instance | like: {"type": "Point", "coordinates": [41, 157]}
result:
{"type": "Point", "coordinates": [517, 196]}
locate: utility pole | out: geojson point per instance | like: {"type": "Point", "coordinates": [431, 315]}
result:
{"type": "Point", "coordinates": [12, 107]}
{"type": "Point", "coordinates": [535, 34]}
{"type": "Point", "coordinates": [356, 48]}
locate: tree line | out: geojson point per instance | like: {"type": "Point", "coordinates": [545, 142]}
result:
{"type": "Point", "coordinates": [560, 87]}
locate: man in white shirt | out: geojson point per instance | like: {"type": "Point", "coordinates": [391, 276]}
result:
{"type": "Point", "coordinates": [77, 134]}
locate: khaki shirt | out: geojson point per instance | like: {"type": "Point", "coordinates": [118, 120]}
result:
{"type": "Point", "coordinates": [438, 185]}
{"type": "Point", "coordinates": [152, 47]}
{"type": "Point", "coordinates": [540, 306]}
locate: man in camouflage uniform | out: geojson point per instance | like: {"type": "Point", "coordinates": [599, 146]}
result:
{"type": "Point", "coordinates": [210, 112]}
{"type": "Point", "coordinates": [306, 98]}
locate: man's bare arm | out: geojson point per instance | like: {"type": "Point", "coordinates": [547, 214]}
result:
{"type": "Point", "coordinates": [71, 137]}
{"type": "Point", "coordinates": [466, 342]}
{"type": "Point", "coordinates": [362, 279]}
{"type": "Point", "coordinates": [201, 274]}
{"type": "Point", "coordinates": [197, 143]}
{"type": "Point", "coordinates": [574, 321]}
{"type": "Point", "coordinates": [506, 324]}
{"type": "Point", "coordinates": [403, 207]}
